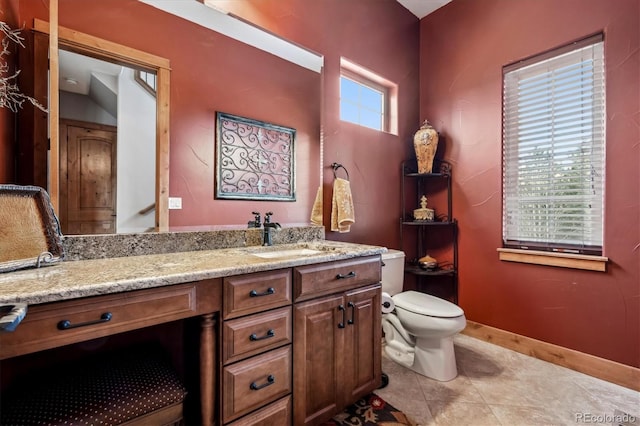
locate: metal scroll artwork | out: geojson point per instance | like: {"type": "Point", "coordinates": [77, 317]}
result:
{"type": "Point", "coordinates": [255, 160]}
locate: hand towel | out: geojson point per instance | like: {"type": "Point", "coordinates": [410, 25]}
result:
{"type": "Point", "coordinates": [316, 211]}
{"type": "Point", "coordinates": [342, 213]}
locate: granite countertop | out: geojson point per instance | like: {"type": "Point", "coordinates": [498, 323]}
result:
{"type": "Point", "coordinates": [83, 278]}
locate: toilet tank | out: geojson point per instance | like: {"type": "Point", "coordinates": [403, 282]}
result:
{"type": "Point", "coordinates": [392, 271]}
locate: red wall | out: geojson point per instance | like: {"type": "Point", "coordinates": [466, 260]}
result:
{"type": "Point", "coordinates": [463, 48]}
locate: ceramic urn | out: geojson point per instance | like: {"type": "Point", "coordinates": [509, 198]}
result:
{"type": "Point", "coordinates": [425, 143]}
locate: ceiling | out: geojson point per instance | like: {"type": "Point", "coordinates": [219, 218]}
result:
{"type": "Point", "coordinates": [422, 8]}
{"type": "Point", "coordinates": [76, 71]}
{"type": "Point", "coordinates": [91, 77]}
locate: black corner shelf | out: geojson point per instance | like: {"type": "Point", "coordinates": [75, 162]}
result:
{"type": "Point", "coordinates": [424, 183]}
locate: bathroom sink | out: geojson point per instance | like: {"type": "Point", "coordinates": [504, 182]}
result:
{"type": "Point", "coordinates": [296, 252]}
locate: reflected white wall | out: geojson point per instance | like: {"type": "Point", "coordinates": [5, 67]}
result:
{"type": "Point", "coordinates": [136, 155]}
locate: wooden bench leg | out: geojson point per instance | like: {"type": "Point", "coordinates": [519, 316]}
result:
{"type": "Point", "coordinates": [207, 368]}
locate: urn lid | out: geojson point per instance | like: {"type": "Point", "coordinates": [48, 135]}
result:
{"type": "Point", "coordinates": [426, 125]}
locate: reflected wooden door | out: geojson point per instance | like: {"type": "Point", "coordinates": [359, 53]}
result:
{"type": "Point", "coordinates": [87, 178]}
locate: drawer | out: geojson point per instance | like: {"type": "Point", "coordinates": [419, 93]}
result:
{"type": "Point", "coordinates": [331, 277]}
{"type": "Point", "coordinates": [247, 336]}
{"type": "Point", "coordinates": [60, 323]}
{"type": "Point", "coordinates": [251, 293]}
{"type": "Point", "coordinates": [275, 414]}
{"type": "Point", "coordinates": [248, 385]}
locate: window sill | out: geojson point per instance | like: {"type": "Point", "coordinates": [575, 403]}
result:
{"type": "Point", "coordinates": [564, 260]}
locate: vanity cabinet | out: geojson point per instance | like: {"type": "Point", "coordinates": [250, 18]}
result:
{"type": "Point", "coordinates": [57, 324]}
{"type": "Point", "coordinates": [288, 346]}
{"type": "Point", "coordinates": [437, 238]}
{"type": "Point", "coordinates": [256, 351]}
{"type": "Point", "coordinates": [337, 336]}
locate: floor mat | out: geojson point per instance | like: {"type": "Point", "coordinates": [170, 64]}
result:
{"type": "Point", "coordinates": [370, 410]}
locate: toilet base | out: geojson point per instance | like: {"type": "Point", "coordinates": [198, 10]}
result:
{"type": "Point", "coordinates": [435, 358]}
{"type": "Point", "coordinates": [431, 358]}
{"type": "Point", "coordinates": [403, 358]}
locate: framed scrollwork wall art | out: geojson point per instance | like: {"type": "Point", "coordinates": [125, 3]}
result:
{"type": "Point", "coordinates": [255, 160]}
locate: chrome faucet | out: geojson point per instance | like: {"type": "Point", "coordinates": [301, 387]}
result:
{"type": "Point", "coordinates": [268, 226]}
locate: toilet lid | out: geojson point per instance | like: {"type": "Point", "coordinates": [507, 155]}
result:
{"type": "Point", "coordinates": [425, 304]}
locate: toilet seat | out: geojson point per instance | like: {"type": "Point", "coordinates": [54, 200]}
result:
{"type": "Point", "coordinates": [425, 304]}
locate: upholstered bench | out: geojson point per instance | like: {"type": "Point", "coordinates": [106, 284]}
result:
{"type": "Point", "coordinates": [132, 387]}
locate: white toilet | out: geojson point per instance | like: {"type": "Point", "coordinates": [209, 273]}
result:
{"type": "Point", "coordinates": [419, 331]}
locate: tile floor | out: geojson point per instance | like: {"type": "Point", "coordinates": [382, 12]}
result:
{"type": "Point", "coordinates": [497, 386]}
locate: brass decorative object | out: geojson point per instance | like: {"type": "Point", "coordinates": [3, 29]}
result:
{"type": "Point", "coordinates": [423, 213]}
{"type": "Point", "coordinates": [425, 143]}
{"type": "Point", "coordinates": [427, 262]}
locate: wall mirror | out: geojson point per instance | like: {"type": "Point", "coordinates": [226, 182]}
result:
{"type": "Point", "coordinates": [108, 70]}
{"type": "Point", "coordinates": [73, 42]}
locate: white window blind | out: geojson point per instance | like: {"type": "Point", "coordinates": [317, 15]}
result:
{"type": "Point", "coordinates": [553, 150]}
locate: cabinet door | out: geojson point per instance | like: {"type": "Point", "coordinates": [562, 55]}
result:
{"type": "Point", "coordinates": [363, 341]}
{"type": "Point", "coordinates": [318, 337]}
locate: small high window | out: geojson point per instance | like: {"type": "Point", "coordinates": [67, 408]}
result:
{"type": "Point", "coordinates": [366, 98]}
{"type": "Point", "coordinates": [147, 80]}
{"type": "Point", "coordinates": [361, 104]}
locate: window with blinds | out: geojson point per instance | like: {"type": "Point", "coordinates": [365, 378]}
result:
{"type": "Point", "coordinates": [553, 150]}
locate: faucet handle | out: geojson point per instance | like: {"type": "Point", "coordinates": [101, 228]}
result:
{"type": "Point", "coordinates": [267, 217]}
{"type": "Point", "coordinates": [256, 220]}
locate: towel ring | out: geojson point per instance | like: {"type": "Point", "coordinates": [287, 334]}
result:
{"type": "Point", "coordinates": [335, 167]}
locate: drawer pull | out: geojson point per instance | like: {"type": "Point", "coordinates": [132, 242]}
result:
{"type": "Point", "coordinates": [269, 291]}
{"type": "Point", "coordinates": [343, 276]}
{"type": "Point", "coordinates": [341, 324]}
{"type": "Point", "coordinates": [270, 333]}
{"type": "Point", "coordinates": [270, 380]}
{"type": "Point", "coordinates": [66, 324]}
{"type": "Point", "coordinates": [353, 312]}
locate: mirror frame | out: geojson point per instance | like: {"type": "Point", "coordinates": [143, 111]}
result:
{"type": "Point", "coordinates": [98, 48]}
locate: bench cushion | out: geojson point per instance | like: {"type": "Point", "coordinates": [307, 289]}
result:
{"type": "Point", "coordinates": [108, 389]}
